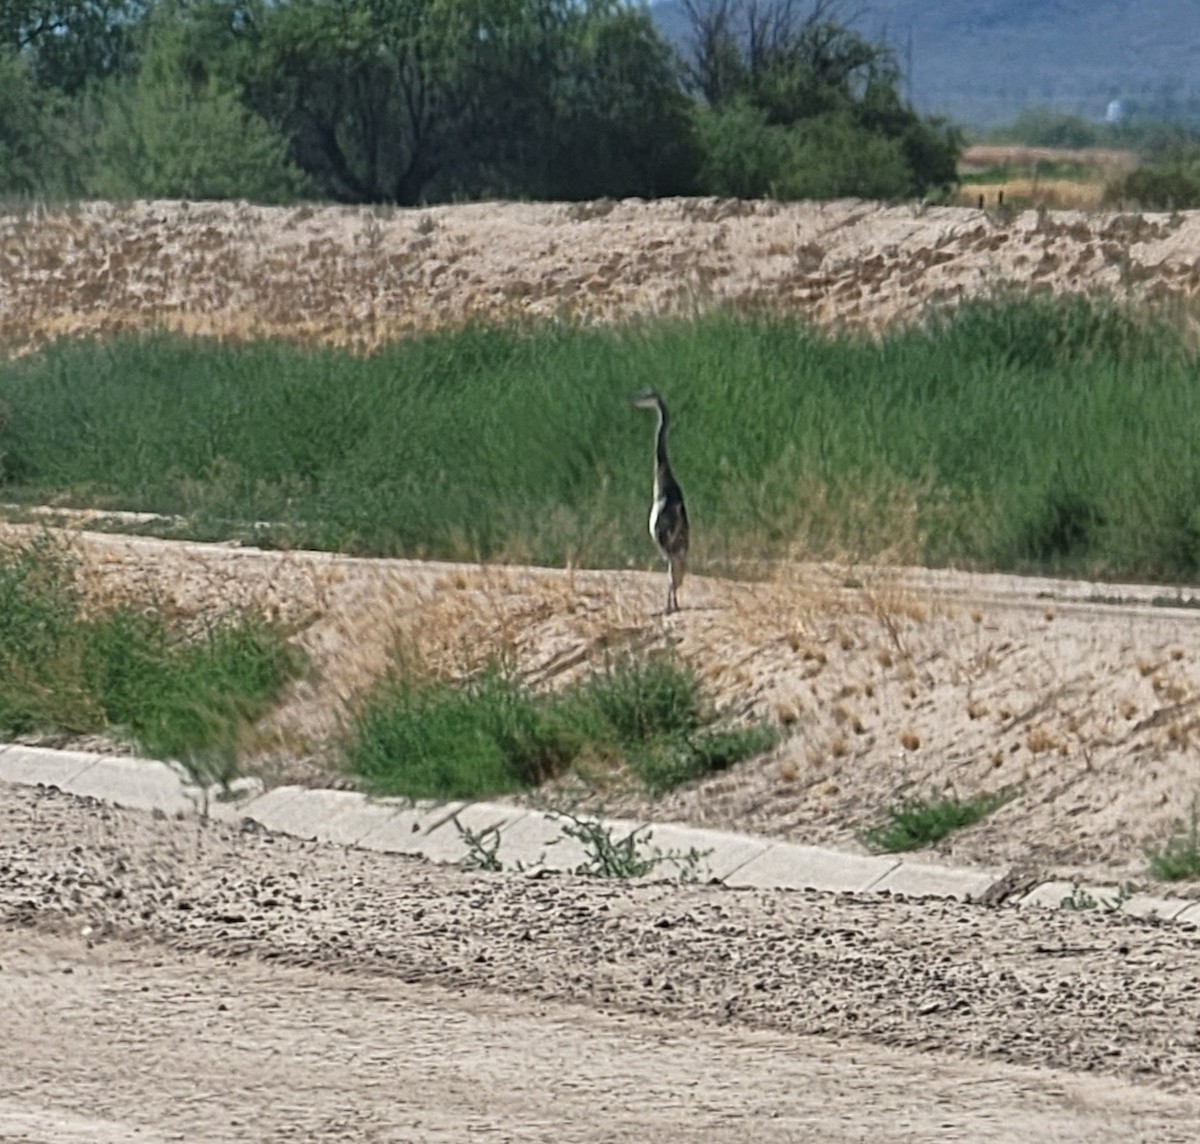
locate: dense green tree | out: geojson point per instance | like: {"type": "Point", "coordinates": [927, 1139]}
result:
{"type": "Point", "coordinates": [616, 120]}
{"type": "Point", "coordinates": [834, 93]}
{"type": "Point", "coordinates": [71, 43]}
{"type": "Point", "coordinates": [412, 100]}
{"type": "Point", "coordinates": [42, 137]}
{"type": "Point", "coordinates": [22, 126]}
{"type": "Point", "coordinates": [180, 130]}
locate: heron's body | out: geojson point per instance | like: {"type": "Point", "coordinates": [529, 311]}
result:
{"type": "Point", "coordinates": [668, 514]}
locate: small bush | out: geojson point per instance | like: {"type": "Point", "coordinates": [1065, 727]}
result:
{"type": "Point", "coordinates": [1179, 860]}
{"type": "Point", "coordinates": [641, 700]}
{"type": "Point", "coordinates": [822, 157]}
{"type": "Point", "coordinates": [435, 740]}
{"type": "Point", "coordinates": [669, 761]}
{"type": "Point", "coordinates": [1165, 186]}
{"type": "Point", "coordinates": [653, 712]}
{"type": "Point", "coordinates": [919, 822]}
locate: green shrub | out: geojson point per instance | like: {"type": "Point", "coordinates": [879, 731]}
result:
{"type": "Point", "coordinates": [744, 157]}
{"type": "Point", "coordinates": [435, 740]}
{"type": "Point", "coordinates": [1160, 186]}
{"type": "Point", "coordinates": [834, 157]}
{"type": "Point", "coordinates": [177, 696]}
{"type": "Point", "coordinates": [1179, 860]}
{"type": "Point", "coordinates": [823, 157]}
{"type": "Point", "coordinates": [493, 736]}
{"type": "Point", "coordinates": [920, 822]}
{"type": "Point", "coordinates": [179, 130]}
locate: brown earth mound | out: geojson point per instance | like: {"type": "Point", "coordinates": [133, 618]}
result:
{"type": "Point", "coordinates": [360, 277]}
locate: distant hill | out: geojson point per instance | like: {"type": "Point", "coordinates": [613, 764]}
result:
{"type": "Point", "coordinates": [979, 62]}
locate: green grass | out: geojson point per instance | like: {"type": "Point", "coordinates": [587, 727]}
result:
{"type": "Point", "coordinates": [1179, 860]}
{"type": "Point", "coordinates": [428, 739]}
{"type": "Point", "coordinates": [1041, 169]}
{"type": "Point", "coordinates": [919, 822]}
{"type": "Point", "coordinates": [63, 670]}
{"type": "Point", "coordinates": [1024, 434]}
{"type": "Point", "coordinates": [492, 735]}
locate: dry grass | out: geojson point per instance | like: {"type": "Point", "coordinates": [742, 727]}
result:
{"type": "Point", "coordinates": [1022, 193]}
{"type": "Point", "coordinates": [1025, 187]}
{"type": "Point", "coordinates": [981, 156]}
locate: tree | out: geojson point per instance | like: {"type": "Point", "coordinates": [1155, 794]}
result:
{"type": "Point", "coordinates": [40, 137]}
{"type": "Point", "coordinates": [835, 94]}
{"type": "Point", "coordinates": [375, 96]}
{"type": "Point", "coordinates": [72, 43]}
{"type": "Point", "coordinates": [619, 122]}
{"type": "Point", "coordinates": [22, 126]}
{"type": "Point", "coordinates": [795, 59]}
{"type": "Point", "coordinates": [179, 130]}
{"type": "Point", "coordinates": [407, 101]}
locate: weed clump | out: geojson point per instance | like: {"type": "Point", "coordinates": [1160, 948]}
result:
{"type": "Point", "coordinates": [432, 739]}
{"type": "Point", "coordinates": [493, 735]}
{"type": "Point", "coordinates": [178, 695]}
{"type": "Point", "coordinates": [1179, 860]}
{"type": "Point", "coordinates": [921, 822]}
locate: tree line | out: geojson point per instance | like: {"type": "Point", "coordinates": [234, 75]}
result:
{"type": "Point", "coordinates": [415, 101]}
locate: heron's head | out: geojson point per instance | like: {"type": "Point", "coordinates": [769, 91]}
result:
{"type": "Point", "coordinates": [647, 399]}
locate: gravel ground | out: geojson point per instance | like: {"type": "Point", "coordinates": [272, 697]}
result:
{"type": "Point", "coordinates": [1083, 992]}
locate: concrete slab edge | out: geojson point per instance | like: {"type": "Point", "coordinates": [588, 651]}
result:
{"type": "Point", "coordinates": [455, 832]}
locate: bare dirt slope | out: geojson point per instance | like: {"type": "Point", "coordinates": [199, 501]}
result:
{"type": "Point", "coordinates": [911, 684]}
{"type": "Point", "coordinates": [891, 683]}
{"type": "Point", "coordinates": [163, 980]}
{"type": "Point", "coordinates": [359, 277]}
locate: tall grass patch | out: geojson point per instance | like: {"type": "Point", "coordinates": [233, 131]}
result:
{"type": "Point", "coordinates": [63, 669]}
{"type": "Point", "coordinates": [1025, 433]}
{"type": "Point", "coordinates": [424, 738]}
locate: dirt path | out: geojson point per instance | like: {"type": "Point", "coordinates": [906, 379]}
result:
{"type": "Point", "coordinates": [125, 1042]}
{"type": "Point", "coordinates": [208, 982]}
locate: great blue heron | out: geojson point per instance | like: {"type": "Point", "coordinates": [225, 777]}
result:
{"type": "Point", "coordinates": [668, 517]}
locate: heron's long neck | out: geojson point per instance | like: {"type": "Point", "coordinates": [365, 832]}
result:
{"type": "Point", "coordinates": [660, 444]}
